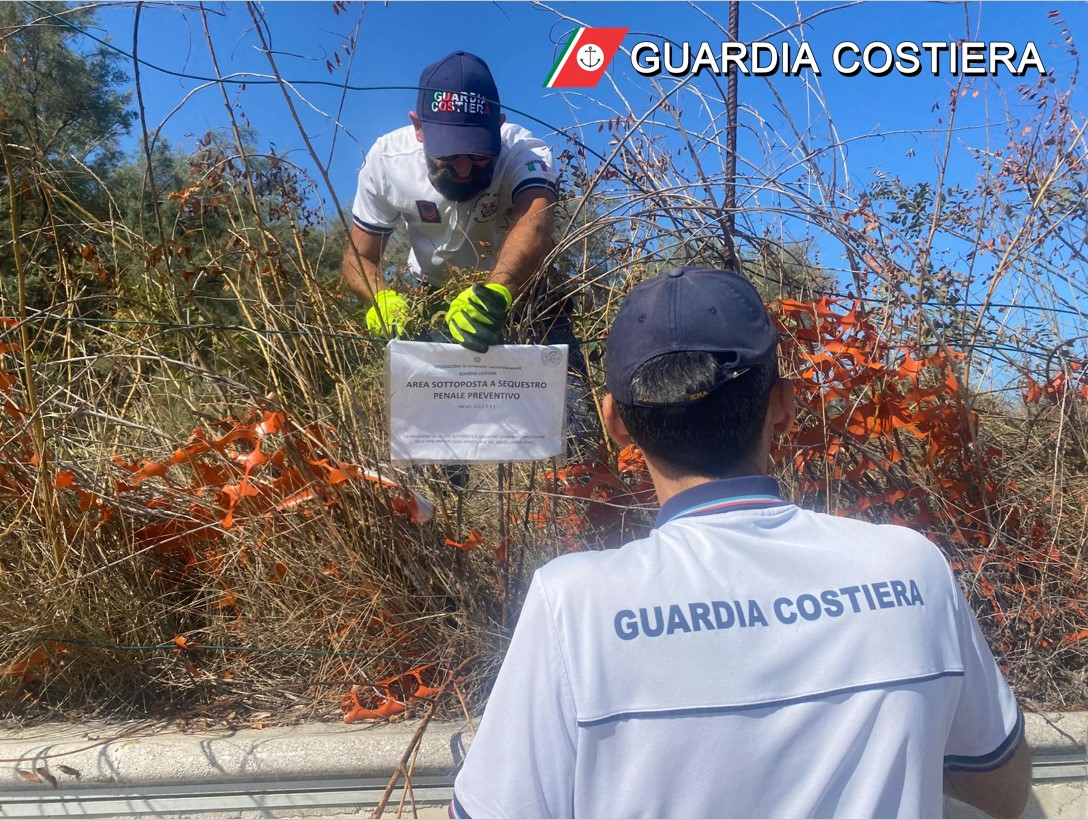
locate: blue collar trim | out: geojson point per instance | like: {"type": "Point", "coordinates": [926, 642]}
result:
{"type": "Point", "coordinates": [723, 495]}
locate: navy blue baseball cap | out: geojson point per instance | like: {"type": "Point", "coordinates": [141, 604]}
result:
{"type": "Point", "coordinates": [459, 107]}
{"type": "Point", "coordinates": [688, 309]}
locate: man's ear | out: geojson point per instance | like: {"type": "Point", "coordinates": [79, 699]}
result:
{"type": "Point", "coordinates": [782, 410]}
{"type": "Point", "coordinates": [613, 424]}
{"type": "Point", "coordinates": [502, 120]}
{"type": "Point", "coordinates": [418, 124]}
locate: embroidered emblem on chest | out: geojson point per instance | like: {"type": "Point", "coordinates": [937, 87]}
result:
{"type": "Point", "coordinates": [428, 212]}
{"type": "Point", "coordinates": [486, 207]}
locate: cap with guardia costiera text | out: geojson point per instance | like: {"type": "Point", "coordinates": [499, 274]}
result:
{"type": "Point", "coordinates": [459, 107]}
{"type": "Point", "coordinates": [688, 309]}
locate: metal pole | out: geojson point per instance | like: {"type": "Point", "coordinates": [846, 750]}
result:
{"type": "Point", "coordinates": [731, 129]}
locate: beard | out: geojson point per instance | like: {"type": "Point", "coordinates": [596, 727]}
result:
{"type": "Point", "coordinates": [443, 179]}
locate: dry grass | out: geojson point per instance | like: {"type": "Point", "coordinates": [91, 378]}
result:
{"type": "Point", "coordinates": [127, 588]}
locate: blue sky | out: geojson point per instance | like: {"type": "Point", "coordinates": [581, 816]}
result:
{"type": "Point", "coordinates": [520, 41]}
{"type": "Point", "coordinates": [883, 126]}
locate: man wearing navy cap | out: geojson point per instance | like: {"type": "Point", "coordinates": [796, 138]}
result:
{"type": "Point", "coordinates": [474, 192]}
{"type": "Point", "coordinates": [748, 658]}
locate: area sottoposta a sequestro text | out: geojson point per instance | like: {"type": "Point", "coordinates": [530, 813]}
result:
{"type": "Point", "coordinates": [479, 389]}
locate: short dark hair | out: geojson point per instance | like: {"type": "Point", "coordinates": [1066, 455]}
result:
{"type": "Point", "coordinates": [709, 437]}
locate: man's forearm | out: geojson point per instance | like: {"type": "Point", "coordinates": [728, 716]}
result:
{"type": "Point", "coordinates": [358, 279]}
{"type": "Point", "coordinates": [1002, 792]}
{"type": "Point", "coordinates": [527, 244]}
{"type": "Point", "coordinates": [359, 270]}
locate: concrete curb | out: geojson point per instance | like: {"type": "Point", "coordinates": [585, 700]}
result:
{"type": "Point", "coordinates": [102, 754]}
{"type": "Point", "coordinates": [317, 770]}
{"type": "Point", "coordinates": [1057, 732]}
{"type": "Point", "coordinates": [107, 754]}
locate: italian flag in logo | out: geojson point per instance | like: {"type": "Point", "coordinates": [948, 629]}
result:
{"type": "Point", "coordinates": [585, 57]}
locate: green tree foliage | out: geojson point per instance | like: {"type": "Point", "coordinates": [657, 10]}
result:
{"type": "Point", "coordinates": [787, 271]}
{"type": "Point", "coordinates": [134, 197]}
{"type": "Point", "coordinates": [62, 112]}
{"type": "Point", "coordinates": [63, 104]}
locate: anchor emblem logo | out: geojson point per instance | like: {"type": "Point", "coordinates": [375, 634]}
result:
{"type": "Point", "coordinates": [585, 58]}
{"type": "Point", "coordinates": [590, 57]}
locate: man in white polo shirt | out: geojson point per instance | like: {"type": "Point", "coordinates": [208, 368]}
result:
{"type": "Point", "coordinates": [748, 658]}
{"type": "Point", "coordinates": [474, 192]}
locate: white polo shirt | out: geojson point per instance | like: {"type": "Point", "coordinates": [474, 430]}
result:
{"type": "Point", "coordinates": [393, 185]}
{"type": "Point", "coordinates": [747, 659]}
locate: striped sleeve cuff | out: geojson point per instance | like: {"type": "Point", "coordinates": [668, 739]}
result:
{"type": "Point", "coordinates": [379, 230]}
{"type": "Point", "coordinates": [456, 810]}
{"type": "Point", "coordinates": [995, 759]}
{"type": "Point", "coordinates": [535, 182]}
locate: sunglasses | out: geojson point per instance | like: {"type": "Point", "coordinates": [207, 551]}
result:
{"type": "Point", "coordinates": [477, 159]}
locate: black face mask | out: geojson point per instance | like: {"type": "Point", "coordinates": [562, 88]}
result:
{"type": "Point", "coordinates": [442, 177]}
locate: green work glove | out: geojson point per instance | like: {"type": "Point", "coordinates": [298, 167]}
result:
{"type": "Point", "coordinates": [386, 316]}
{"type": "Point", "coordinates": [477, 314]}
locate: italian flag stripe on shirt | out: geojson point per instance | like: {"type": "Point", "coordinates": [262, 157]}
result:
{"type": "Point", "coordinates": [586, 56]}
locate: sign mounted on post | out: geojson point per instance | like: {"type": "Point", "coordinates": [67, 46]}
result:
{"type": "Point", "coordinates": [449, 405]}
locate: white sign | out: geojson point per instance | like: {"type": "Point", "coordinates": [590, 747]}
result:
{"type": "Point", "coordinates": [449, 405]}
